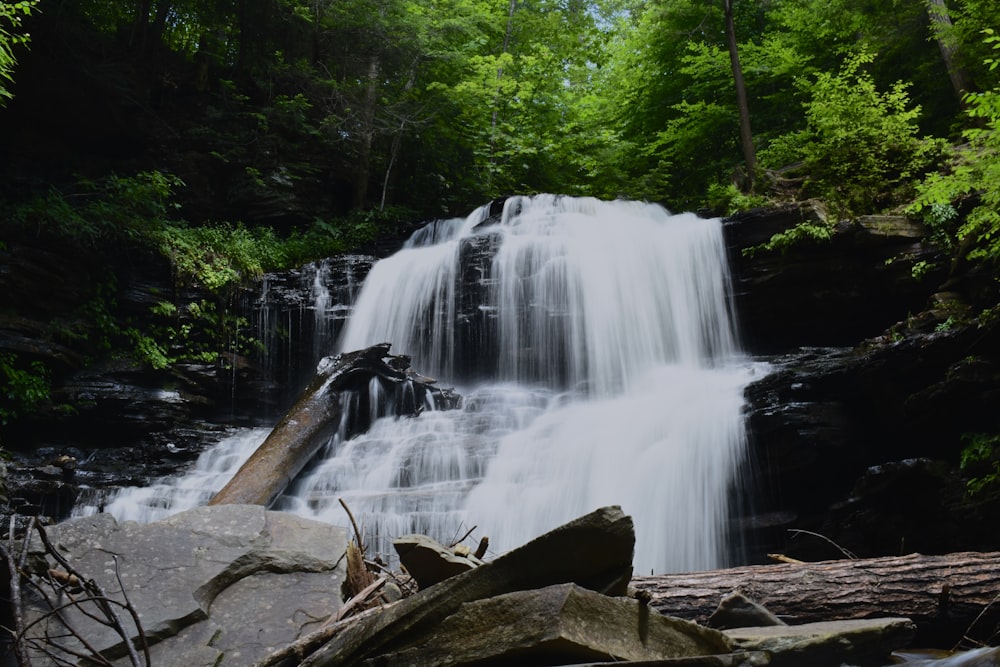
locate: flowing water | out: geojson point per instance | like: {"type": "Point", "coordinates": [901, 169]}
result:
{"type": "Point", "coordinates": [606, 371]}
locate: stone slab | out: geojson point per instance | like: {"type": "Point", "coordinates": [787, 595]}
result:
{"type": "Point", "coordinates": [594, 551]}
{"type": "Point", "coordinates": [831, 643]}
{"type": "Point", "coordinates": [216, 565]}
{"type": "Point", "coordinates": [558, 625]}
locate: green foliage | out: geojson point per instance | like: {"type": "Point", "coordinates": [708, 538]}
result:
{"type": "Point", "coordinates": [980, 458]}
{"type": "Point", "coordinates": [11, 15]}
{"type": "Point", "coordinates": [23, 386]}
{"type": "Point", "coordinates": [974, 172]}
{"type": "Point", "coordinates": [200, 331]}
{"type": "Point", "coordinates": [942, 221]}
{"type": "Point", "coordinates": [948, 324]}
{"type": "Point", "coordinates": [920, 269]}
{"type": "Point", "coordinates": [114, 209]}
{"type": "Point", "coordinates": [804, 232]}
{"type": "Point", "coordinates": [728, 200]}
{"type": "Point", "coordinates": [220, 256]}
{"type": "Point", "coordinates": [148, 350]}
{"type": "Point", "coordinates": [136, 215]}
{"type": "Point", "coordinates": [859, 145]}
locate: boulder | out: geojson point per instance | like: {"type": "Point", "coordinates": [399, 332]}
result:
{"type": "Point", "coordinates": [827, 644]}
{"type": "Point", "coordinates": [428, 561]}
{"type": "Point", "coordinates": [736, 610]}
{"type": "Point", "coordinates": [558, 625]}
{"type": "Point", "coordinates": [594, 551]}
{"type": "Point", "coordinates": [212, 586]}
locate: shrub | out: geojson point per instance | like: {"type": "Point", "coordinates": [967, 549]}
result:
{"type": "Point", "coordinates": [858, 142]}
{"type": "Point", "coordinates": [23, 386]}
{"type": "Point", "coordinates": [728, 200]}
{"type": "Point", "coordinates": [219, 256]}
{"type": "Point", "coordinates": [976, 172]}
{"type": "Point", "coordinates": [980, 458]}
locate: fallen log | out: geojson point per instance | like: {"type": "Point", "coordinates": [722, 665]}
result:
{"type": "Point", "coordinates": [315, 417]}
{"type": "Point", "coordinates": [948, 597]}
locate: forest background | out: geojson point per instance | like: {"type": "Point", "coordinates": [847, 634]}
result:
{"type": "Point", "coordinates": [228, 138]}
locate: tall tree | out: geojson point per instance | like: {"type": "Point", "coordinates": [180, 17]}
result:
{"type": "Point", "coordinates": [943, 31]}
{"type": "Point", "coordinates": [742, 105]}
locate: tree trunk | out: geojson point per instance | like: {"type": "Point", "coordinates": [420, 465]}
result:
{"type": "Point", "coordinates": [141, 26]}
{"type": "Point", "coordinates": [746, 135]}
{"type": "Point", "coordinates": [495, 116]}
{"type": "Point", "coordinates": [308, 425]}
{"type": "Point", "coordinates": [943, 595]}
{"type": "Point", "coordinates": [156, 29]}
{"type": "Point", "coordinates": [941, 28]}
{"type": "Point", "coordinates": [367, 132]}
{"type": "Point", "coordinates": [397, 137]}
{"type": "Point", "coordinates": [243, 29]}
{"type": "Point", "coordinates": [302, 432]}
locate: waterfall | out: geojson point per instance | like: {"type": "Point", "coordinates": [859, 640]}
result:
{"type": "Point", "coordinates": [614, 377]}
{"type": "Point", "coordinates": [596, 351]}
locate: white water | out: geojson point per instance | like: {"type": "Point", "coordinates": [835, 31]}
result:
{"type": "Point", "coordinates": [618, 381]}
{"type": "Point", "coordinates": [178, 493]}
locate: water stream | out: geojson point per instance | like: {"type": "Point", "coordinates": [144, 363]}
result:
{"type": "Point", "coordinates": [606, 371]}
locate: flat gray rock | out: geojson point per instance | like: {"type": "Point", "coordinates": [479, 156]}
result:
{"type": "Point", "coordinates": [736, 610]}
{"type": "Point", "coordinates": [215, 586]}
{"type": "Point", "coordinates": [558, 625]}
{"type": "Point", "coordinates": [430, 562]}
{"type": "Point", "coordinates": [825, 644]}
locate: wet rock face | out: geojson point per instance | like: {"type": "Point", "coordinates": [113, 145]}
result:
{"type": "Point", "coordinates": [123, 422]}
{"type": "Point", "coordinates": [297, 317]}
{"type": "Point", "coordinates": [829, 293]}
{"type": "Point", "coordinates": [862, 445]}
{"type": "Point", "coordinates": [856, 432]}
{"type": "Point", "coordinates": [476, 334]}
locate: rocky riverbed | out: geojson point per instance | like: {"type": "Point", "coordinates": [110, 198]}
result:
{"type": "Point", "coordinates": [238, 585]}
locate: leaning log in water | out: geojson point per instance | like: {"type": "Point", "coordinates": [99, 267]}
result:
{"type": "Point", "coordinates": [944, 595]}
{"type": "Point", "coordinates": [315, 417]}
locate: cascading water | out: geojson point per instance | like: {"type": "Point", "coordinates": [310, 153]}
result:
{"type": "Point", "coordinates": [613, 378]}
{"type": "Point", "coordinates": [594, 345]}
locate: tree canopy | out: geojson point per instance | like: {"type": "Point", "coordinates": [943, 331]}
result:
{"type": "Point", "coordinates": [287, 113]}
{"type": "Point", "coordinates": [226, 138]}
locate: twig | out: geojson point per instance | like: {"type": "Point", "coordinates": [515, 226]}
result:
{"type": "Point", "coordinates": [357, 533]}
{"type": "Point", "coordinates": [824, 537]}
{"type": "Point", "coordinates": [135, 619]}
{"type": "Point", "coordinates": [357, 600]}
{"type": "Point", "coordinates": [968, 630]}
{"type": "Point", "coordinates": [70, 589]}
{"type": "Point", "coordinates": [314, 640]}
{"type": "Point", "coordinates": [462, 538]}
{"type": "Point", "coordinates": [16, 602]}
{"type": "Point", "coordinates": [782, 558]}
{"type": "Point", "coordinates": [58, 613]}
{"type": "Point", "coordinates": [405, 587]}
{"type": "Point", "coordinates": [101, 599]}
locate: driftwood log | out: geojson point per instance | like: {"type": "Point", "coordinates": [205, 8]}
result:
{"type": "Point", "coordinates": [949, 597]}
{"type": "Point", "coordinates": [308, 425]}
